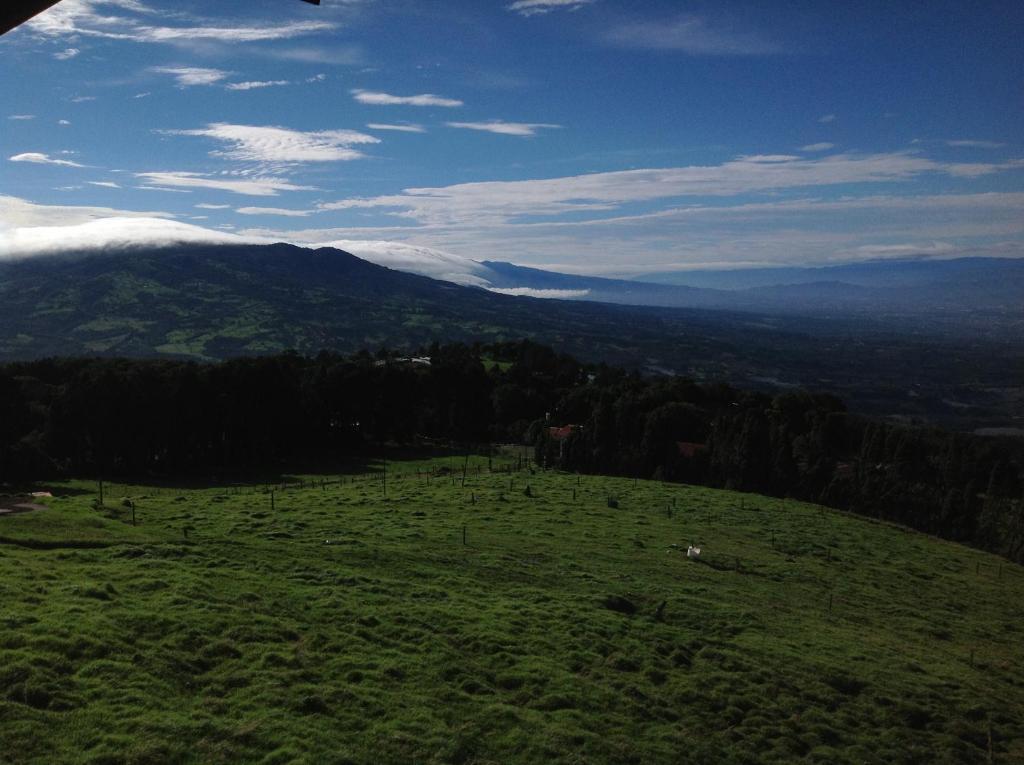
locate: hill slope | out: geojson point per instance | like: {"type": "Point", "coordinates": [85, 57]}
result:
{"type": "Point", "coordinates": [214, 302]}
{"type": "Point", "coordinates": [476, 624]}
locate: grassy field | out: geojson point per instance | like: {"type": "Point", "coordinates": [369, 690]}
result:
{"type": "Point", "coordinates": [476, 621]}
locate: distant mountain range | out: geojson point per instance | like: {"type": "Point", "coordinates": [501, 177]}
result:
{"type": "Point", "coordinates": [210, 302]}
{"type": "Point", "coordinates": [965, 297]}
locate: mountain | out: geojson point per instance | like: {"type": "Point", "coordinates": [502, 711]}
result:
{"type": "Point", "coordinates": [871, 273]}
{"type": "Point", "coordinates": [217, 301]}
{"type": "Point", "coordinates": [209, 302]}
{"type": "Point", "coordinates": [967, 297]}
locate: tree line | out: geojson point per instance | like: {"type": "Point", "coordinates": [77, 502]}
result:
{"type": "Point", "coordinates": [131, 417]}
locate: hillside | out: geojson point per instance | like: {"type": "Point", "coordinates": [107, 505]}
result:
{"type": "Point", "coordinates": [219, 301]}
{"type": "Point", "coordinates": [969, 298]}
{"type": "Point", "coordinates": [466, 618]}
{"type": "Point", "coordinates": [212, 302]}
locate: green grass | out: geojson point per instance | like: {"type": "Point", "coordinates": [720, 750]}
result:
{"type": "Point", "coordinates": [252, 639]}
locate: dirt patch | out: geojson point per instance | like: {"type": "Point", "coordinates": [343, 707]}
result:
{"type": "Point", "coordinates": [14, 506]}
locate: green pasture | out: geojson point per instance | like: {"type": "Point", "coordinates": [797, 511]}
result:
{"type": "Point", "coordinates": [453, 614]}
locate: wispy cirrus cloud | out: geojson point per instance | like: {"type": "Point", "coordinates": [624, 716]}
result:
{"type": "Point", "coordinates": [975, 144]}
{"type": "Point", "coordinates": [256, 186]}
{"type": "Point", "coordinates": [256, 84]}
{"type": "Point", "coordinates": [282, 211]}
{"type": "Point", "coordinates": [403, 128]}
{"type": "Point", "coordinates": [40, 158]}
{"type": "Point", "coordinates": [21, 117]}
{"type": "Point", "coordinates": [693, 35]}
{"type": "Point", "coordinates": [539, 7]}
{"type": "Point", "coordinates": [190, 76]}
{"type": "Point", "coordinates": [511, 202]}
{"type": "Point", "coordinates": [386, 99]}
{"type": "Point", "coordinates": [104, 184]}
{"type": "Point", "coordinates": [269, 144]}
{"type": "Point", "coordinates": [815, 147]}
{"type": "Point", "coordinates": [521, 129]}
{"type": "Point", "coordinates": [66, 54]}
{"type": "Point", "coordinates": [132, 21]}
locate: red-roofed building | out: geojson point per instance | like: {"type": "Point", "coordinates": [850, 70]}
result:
{"type": "Point", "coordinates": [562, 433]}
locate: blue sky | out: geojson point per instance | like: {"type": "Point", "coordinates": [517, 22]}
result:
{"type": "Point", "coordinates": [602, 136]}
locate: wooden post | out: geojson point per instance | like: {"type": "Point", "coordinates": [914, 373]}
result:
{"type": "Point", "coordinates": [272, 507]}
{"type": "Point", "coordinates": [464, 535]}
{"type": "Point", "coordinates": [133, 511]}
{"type": "Point", "coordinates": [574, 499]}
{"type": "Point", "coordinates": [101, 492]}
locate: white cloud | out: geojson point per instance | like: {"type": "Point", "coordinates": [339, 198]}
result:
{"type": "Point", "coordinates": [410, 128]}
{"type": "Point", "coordinates": [119, 20]}
{"type": "Point", "coordinates": [536, 7]}
{"type": "Point", "coordinates": [43, 159]}
{"type": "Point", "coordinates": [254, 84]}
{"type": "Point", "coordinates": [105, 184]}
{"type": "Point", "coordinates": [508, 201]}
{"type": "Point", "coordinates": [253, 143]}
{"type": "Point", "coordinates": [67, 53]}
{"type": "Point", "coordinates": [804, 231]}
{"type": "Point", "coordinates": [256, 187]}
{"type": "Point", "coordinates": [64, 122]}
{"type": "Point", "coordinates": [17, 212]}
{"type": "Point", "coordinates": [22, 117]}
{"type": "Point", "coordinates": [692, 35]}
{"type": "Point", "coordinates": [116, 233]}
{"type": "Point", "coordinates": [273, 211]}
{"type": "Point", "coordinates": [522, 129]}
{"type": "Point", "coordinates": [976, 144]}
{"type": "Point", "coordinates": [414, 259]}
{"type": "Point", "coordinates": [536, 293]}
{"type": "Point", "coordinates": [82, 99]}
{"type": "Point", "coordinates": [188, 76]}
{"type": "Point", "coordinates": [827, 118]}
{"type": "Point", "coordinates": [813, 147]}
{"type": "Point", "coordinates": [208, 206]}
{"type": "Point", "coordinates": [386, 99]}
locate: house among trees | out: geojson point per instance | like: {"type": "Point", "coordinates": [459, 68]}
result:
{"type": "Point", "coordinates": [562, 433]}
